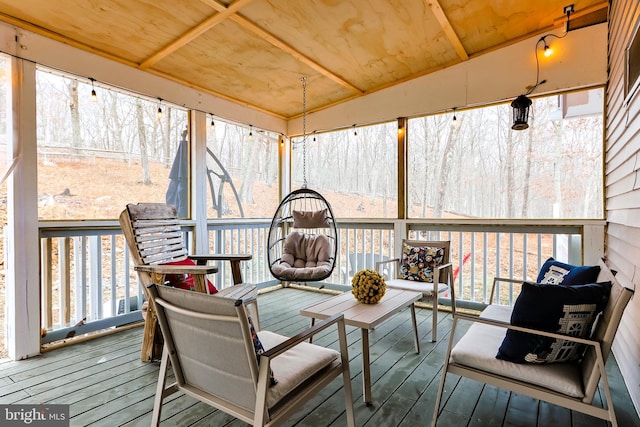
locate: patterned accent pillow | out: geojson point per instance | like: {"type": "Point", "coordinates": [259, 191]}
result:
{"type": "Point", "coordinates": [555, 272]}
{"type": "Point", "coordinates": [418, 262]}
{"type": "Point", "coordinates": [568, 310]}
{"type": "Point", "coordinates": [259, 349]}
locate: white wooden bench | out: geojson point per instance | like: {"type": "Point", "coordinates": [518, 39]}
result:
{"type": "Point", "coordinates": [571, 384]}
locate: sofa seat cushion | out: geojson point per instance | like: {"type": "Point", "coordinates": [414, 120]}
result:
{"type": "Point", "coordinates": [295, 366]}
{"type": "Point", "coordinates": [478, 347]}
{"type": "Point", "coordinates": [412, 285]}
{"type": "Point", "coordinates": [501, 313]}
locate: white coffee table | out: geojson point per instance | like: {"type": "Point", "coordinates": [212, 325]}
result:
{"type": "Point", "coordinates": [366, 317]}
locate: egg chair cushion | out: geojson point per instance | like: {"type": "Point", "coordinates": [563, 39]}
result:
{"type": "Point", "coordinates": [305, 257]}
{"type": "Point", "coordinates": [310, 219]}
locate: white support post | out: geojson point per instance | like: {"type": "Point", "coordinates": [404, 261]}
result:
{"type": "Point", "coordinates": [284, 165]}
{"type": "Point", "coordinates": [23, 278]}
{"type": "Point", "coordinates": [198, 170]}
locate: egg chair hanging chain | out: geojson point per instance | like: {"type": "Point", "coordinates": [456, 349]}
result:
{"type": "Point", "coordinates": [304, 132]}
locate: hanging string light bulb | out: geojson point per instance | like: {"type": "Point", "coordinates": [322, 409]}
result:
{"type": "Point", "coordinates": [355, 132]}
{"type": "Point", "coordinates": [250, 132]}
{"type": "Point", "coordinates": [94, 96]}
{"type": "Point", "coordinates": [547, 49]}
{"type": "Point", "coordinates": [454, 121]}
{"type": "Point", "coordinates": [213, 124]}
{"type": "Point", "coordinates": [160, 109]}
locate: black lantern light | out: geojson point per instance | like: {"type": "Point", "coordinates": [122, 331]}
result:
{"type": "Point", "coordinates": [521, 112]}
{"type": "Point", "coordinates": [522, 103]}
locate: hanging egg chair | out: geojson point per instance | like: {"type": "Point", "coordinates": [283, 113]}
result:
{"type": "Point", "coordinates": [303, 238]}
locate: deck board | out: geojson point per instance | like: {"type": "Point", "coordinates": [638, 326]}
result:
{"type": "Point", "coordinates": [106, 384]}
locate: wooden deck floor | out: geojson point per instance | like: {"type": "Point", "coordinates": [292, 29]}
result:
{"type": "Point", "coordinates": [105, 383]}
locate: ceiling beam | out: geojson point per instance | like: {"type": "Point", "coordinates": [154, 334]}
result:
{"type": "Point", "coordinates": [270, 38]}
{"type": "Point", "coordinates": [195, 32]}
{"type": "Point", "coordinates": [437, 11]}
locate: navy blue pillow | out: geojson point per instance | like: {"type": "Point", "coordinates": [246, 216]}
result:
{"type": "Point", "coordinates": [569, 310]}
{"type": "Point", "coordinates": [555, 273]}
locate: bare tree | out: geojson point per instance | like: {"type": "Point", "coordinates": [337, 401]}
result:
{"type": "Point", "coordinates": [445, 168]}
{"type": "Point", "coordinates": [74, 107]}
{"type": "Point", "coordinates": [142, 138]}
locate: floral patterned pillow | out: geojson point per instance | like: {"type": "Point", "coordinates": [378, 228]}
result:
{"type": "Point", "coordinates": [418, 262]}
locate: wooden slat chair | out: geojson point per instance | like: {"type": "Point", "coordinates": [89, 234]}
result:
{"type": "Point", "coordinates": [209, 341]}
{"type": "Point", "coordinates": [572, 385]}
{"type": "Point", "coordinates": [154, 238]}
{"type": "Point", "coordinates": [442, 276]}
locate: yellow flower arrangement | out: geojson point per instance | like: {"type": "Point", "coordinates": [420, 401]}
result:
{"type": "Point", "coordinates": [368, 286]}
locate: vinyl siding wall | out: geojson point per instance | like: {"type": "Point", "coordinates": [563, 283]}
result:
{"type": "Point", "coordinates": [622, 187]}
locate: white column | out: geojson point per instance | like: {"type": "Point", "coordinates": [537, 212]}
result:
{"type": "Point", "coordinates": [198, 171]}
{"type": "Point", "coordinates": [284, 166]}
{"type": "Point", "coordinates": [22, 251]}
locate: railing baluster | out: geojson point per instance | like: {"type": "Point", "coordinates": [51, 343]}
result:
{"type": "Point", "coordinates": [95, 258]}
{"type": "Point", "coordinates": [485, 264]}
{"type": "Point", "coordinates": [114, 274]}
{"type": "Point", "coordinates": [472, 291]}
{"type": "Point", "coordinates": [64, 269]}
{"type": "Point", "coordinates": [46, 268]}
{"type": "Point", "coordinates": [80, 250]}
{"type": "Point", "coordinates": [127, 282]}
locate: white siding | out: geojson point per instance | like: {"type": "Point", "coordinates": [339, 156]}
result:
{"type": "Point", "coordinates": [622, 186]}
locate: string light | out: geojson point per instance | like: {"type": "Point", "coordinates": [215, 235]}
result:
{"type": "Point", "coordinates": [547, 50]}
{"type": "Point", "coordinates": [160, 109]}
{"type": "Point", "coordinates": [213, 124]}
{"type": "Point", "coordinates": [94, 96]}
{"type": "Point", "coordinates": [355, 132]}
{"type": "Point", "coordinates": [314, 136]}
{"type": "Point", "coordinates": [250, 132]}
{"type": "Point", "coordinates": [455, 122]}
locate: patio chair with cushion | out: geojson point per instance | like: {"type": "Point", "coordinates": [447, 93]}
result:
{"type": "Point", "coordinates": [423, 266]}
{"type": "Point", "coordinates": [552, 345]}
{"type": "Point", "coordinates": [219, 358]}
{"type": "Point", "coordinates": [154, 239]}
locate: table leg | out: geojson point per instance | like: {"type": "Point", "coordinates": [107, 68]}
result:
{"type": "Point", "coordinates": [416, 339]}
{"type": "Point", "coordinates": [313, 322]}
{"type": "Point", "coordinates": [366, 367]}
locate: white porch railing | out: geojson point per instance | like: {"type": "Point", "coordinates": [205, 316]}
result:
{"type": "Point", "coordinates": [88, 281]}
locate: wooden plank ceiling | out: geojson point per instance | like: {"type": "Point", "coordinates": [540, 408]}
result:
{"type": "Point", "coordinates": [254, 52]}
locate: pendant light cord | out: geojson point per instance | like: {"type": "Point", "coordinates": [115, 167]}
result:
{"type": "Point", "coordinates": [304, 132]}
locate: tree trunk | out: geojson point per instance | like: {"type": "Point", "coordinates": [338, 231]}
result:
{"type": "Point", "coordinates": [246, 194]}
{"type": "Point", "coordinates": [142, 137]}
{"type": "Point", "coordinates": [75, 113]}
{"type": "Point", "coordinates": [445, 168]}
{"type": "Point", "coordinates": [166, 140]}
{"type": "Point", "coordinates": [510, 179]}
{"type": "Point", "coordinates": [527, 171]}
{"type": "Point", "coordinates": [426, 178]}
